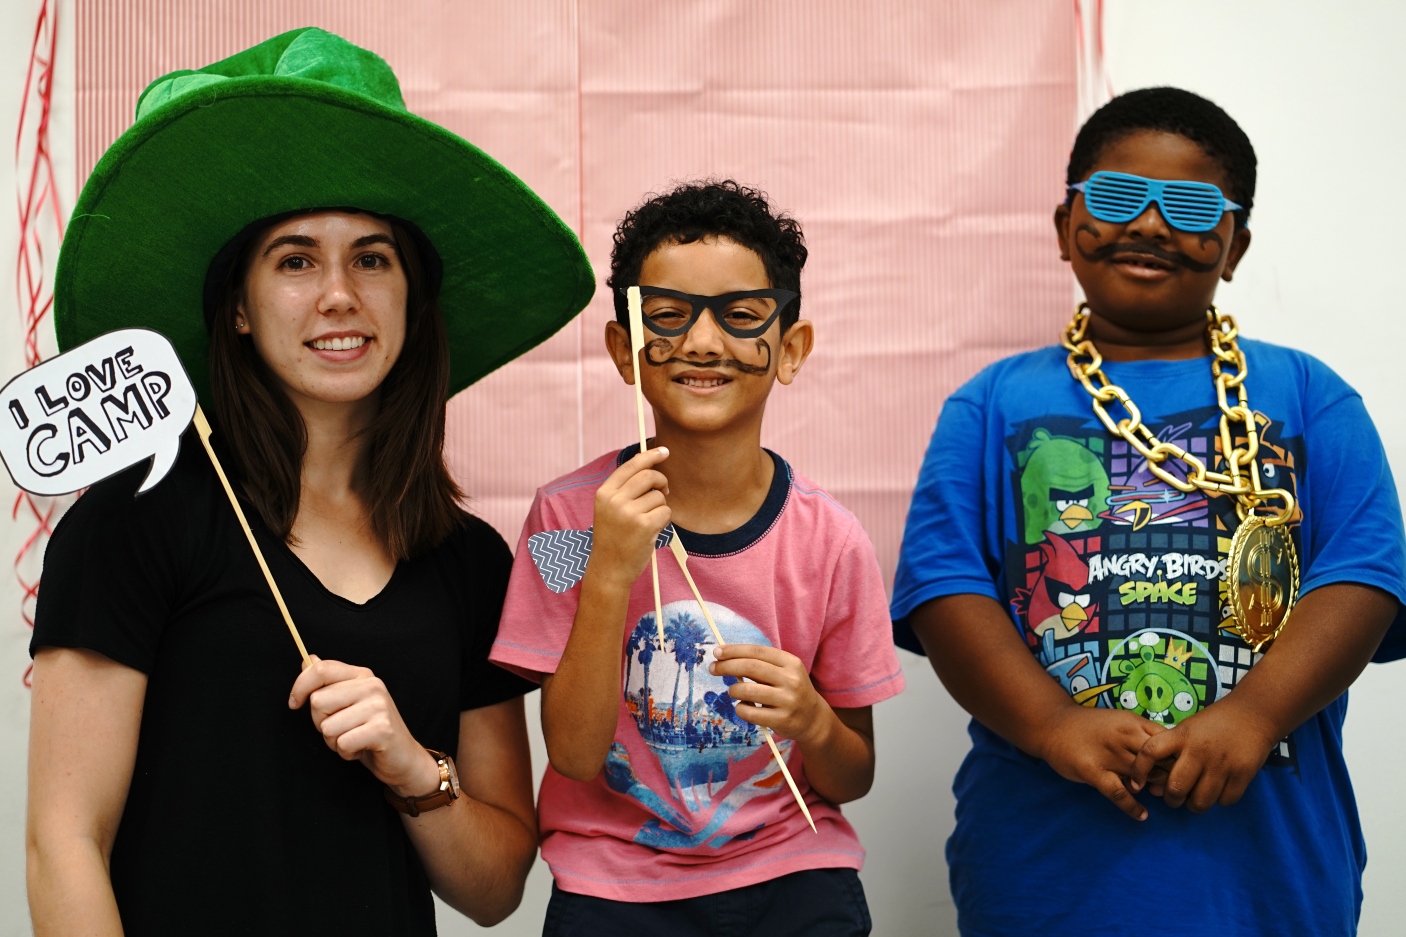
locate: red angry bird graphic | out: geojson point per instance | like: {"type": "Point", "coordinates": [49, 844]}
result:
{"type": "Point", "coordinates": [1059, 598]}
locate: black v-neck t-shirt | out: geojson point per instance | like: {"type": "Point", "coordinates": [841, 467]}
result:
{"type": "Point", "coordinates": [240, 820]}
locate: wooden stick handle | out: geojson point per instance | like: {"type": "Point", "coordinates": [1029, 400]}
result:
{"type": "Point", "coordinates": [682, 556]}
{"type": "Point", "coordinates": [636, 309]}
{"type": "Point", "coordinates": [790, 781]}
{"type": "Point", "coordinates": [202, 426]}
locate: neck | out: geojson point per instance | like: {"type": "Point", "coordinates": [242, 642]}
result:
{"type": "Point", "coordinates": [718, 479]}
{"type": "Point", "coordinates": [334, 464]}
{"type": "Point", "coordinates": [1119, 343]}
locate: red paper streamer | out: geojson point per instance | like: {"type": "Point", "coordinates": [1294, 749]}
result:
{"type": "Point", "coordinates": [38, 200]}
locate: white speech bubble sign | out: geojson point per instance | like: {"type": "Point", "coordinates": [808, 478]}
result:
{"type": "Point", "coordinates": [95, 410]}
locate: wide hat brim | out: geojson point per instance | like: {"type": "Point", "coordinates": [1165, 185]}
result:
{"type": "Point", "coordinates": [187, 178]}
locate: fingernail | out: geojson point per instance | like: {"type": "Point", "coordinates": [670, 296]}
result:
{"type": "Point", "coordinates": [664, 449]}
{"type": "Point", "coordinates": [713, 669]}
{"type": "Point", "coordinates": [717, 652]}
{"type": "Point", "coordinates": [1142, 816]}
{"type": "Point", "coordinates": [1137, 786]}
{"type": "Point", "coordinates": [291, 702]}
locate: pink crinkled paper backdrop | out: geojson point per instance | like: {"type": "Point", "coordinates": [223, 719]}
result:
{"type": "Point", "coordinates": [920, 143]}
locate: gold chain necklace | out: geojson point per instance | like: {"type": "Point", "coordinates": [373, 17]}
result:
{"type": "Point", "coordinates": [1263, 566]}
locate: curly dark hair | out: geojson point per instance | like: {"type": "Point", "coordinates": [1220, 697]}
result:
{"type": "Point", "coordinates": [1171, 110]}
{"type": "Point", "coordinates": [710, 208]}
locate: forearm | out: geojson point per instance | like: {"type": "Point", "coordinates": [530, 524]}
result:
{"type": "Point", "coordinates": [839, 759]}
{"type": "Point", "coordinates": [1329, 638]}
{"type": "Point", "coordinates": [476, 856]}
{"type": "Point", "coordinates": [977, 654]}
{"type": "Point", "coordinates": [581, 701]}
{"type": "Point", "coordinates": [70, 891]}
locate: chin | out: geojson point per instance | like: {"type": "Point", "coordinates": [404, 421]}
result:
{"type": "Point", "coordinates": [337, 392]}
{"type": "Point", "coordinates": [1147, 311]}
{"type": "Point", "coordinates": [703, 420]}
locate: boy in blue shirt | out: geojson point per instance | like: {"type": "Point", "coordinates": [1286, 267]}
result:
{"type": "Point", "coordinates": [1148, 557]}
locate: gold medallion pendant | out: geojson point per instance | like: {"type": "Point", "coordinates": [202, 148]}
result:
{"type": "Point", "coordinates": [1263, 567]}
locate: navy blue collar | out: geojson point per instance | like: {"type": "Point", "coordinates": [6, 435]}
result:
{"type": "Point", "coordinates": [735, 541]}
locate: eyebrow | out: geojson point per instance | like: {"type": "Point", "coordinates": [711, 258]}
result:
{"type": "Point", "coordinates": [302, 240]}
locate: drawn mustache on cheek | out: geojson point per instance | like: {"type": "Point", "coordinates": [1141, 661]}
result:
{"type": "Point", "coordinates": [664, 345]}
{"type": "Point", "coordinates": [1176, 258]}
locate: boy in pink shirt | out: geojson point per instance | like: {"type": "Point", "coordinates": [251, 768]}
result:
{"type": "Point", "coordinates": [662, 806]}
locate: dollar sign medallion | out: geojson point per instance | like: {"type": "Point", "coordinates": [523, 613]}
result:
{"type": "Point", "coordinates": [1263, 568]}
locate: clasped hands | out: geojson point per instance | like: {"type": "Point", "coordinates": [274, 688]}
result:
{"type": "Point", "coordinates": [1207, 759]}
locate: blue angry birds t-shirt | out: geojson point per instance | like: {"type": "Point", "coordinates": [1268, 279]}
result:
{"type": "Point", "coordinates": [1116, 582]}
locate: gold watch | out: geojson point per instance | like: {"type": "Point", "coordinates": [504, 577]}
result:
{"type": "Point", "coordinates": [442, 796]}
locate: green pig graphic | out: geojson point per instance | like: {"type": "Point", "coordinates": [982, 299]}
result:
{"type": "Point", "coordinates": [1155, 689]}
{"type": "Point", "coordinates": [1063, 486]}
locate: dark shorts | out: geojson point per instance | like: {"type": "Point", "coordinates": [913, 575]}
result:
{"type": "Point", "coordinates": [816, 903]}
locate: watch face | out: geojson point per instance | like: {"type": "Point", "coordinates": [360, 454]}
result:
{"type": "Point", "coordinates": [453, 775]}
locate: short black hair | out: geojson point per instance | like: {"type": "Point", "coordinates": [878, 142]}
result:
{"type": "Point", "coordinates": [694, 211]}
{"type": "Point", "coordinates": [1171, 110]}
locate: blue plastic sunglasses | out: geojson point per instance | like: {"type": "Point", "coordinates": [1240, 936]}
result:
{"type": "Point", "coordinates": [1118, 197]}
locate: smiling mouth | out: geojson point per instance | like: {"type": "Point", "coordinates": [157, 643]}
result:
{"type": "Point", "coordinates": [688, 381]}
{"type": "Point", "coordinates": [339, 344]}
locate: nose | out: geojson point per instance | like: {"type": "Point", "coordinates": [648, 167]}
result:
{"type": "Point", "coordinates": [705, 339]}
{"type": "Point", "coordinates": [1150, 225]}
{"type": "Point", "coordinates": [338, 291]}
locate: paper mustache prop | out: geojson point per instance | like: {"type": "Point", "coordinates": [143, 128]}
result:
{"type": "Point", "coordinates": [101, 408]}
{"type": "Point", "coordinates": [635, 307]}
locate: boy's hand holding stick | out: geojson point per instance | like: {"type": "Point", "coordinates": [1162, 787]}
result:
{"type": "Point", "coordinates": [635, 306]}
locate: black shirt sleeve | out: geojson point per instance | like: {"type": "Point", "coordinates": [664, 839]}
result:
{"type": "Point", "coordinates": [485, 563]}
{"type": "Point", "coordinates": [113, 568]}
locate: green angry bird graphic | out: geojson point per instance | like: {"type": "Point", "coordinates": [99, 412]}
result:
{"type": "Point", "coordinates": [1157, 689]}
{"type": "Point", "coordinates": [1063, 486]}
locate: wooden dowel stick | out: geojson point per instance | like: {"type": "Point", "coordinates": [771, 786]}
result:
{"type": "Point", "coordinates": [636, 307]}
{"type": "Point", "coordinates": [202, 427]}
{"type": "Point", "coordinates": [682, 556]}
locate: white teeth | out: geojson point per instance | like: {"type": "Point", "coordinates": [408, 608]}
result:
{"type": "Point", "coordinates": [702, 382]}
{"type": "Point", "coordinates": [339, 344]}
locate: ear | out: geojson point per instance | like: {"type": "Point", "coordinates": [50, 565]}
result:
{"type": "Point", "coordinates": [1239, 244]}
{"type": "Point", "coordinates": [617, 345]}
{"type": "Point", "coordinates": [241, 321]}
{"type": "Point", "coordinates": [1061, 223]}
{"type": "Point", "coordinates": [795, 349]}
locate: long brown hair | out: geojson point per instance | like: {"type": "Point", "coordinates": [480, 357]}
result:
{"type": "Point", "coordinates": [413, 501]}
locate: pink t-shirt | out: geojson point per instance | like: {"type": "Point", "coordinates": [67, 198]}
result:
{"type": "Point", "coordinates": [690, 801]}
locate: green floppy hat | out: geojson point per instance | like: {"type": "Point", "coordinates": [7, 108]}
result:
{"type": "Point", "coordinates": [306, 120]}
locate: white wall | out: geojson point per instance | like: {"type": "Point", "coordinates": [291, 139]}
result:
{"type": "Point", "coordinates": [1323, 98]}
{"type": "Point", "coordinates": [1321, 90]}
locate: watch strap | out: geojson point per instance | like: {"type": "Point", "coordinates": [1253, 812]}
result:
{"type": "Point", "coordinates": [442, 796]}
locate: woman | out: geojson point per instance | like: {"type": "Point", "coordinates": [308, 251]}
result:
{"type": "Point", "coordinates": [175, 783]}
